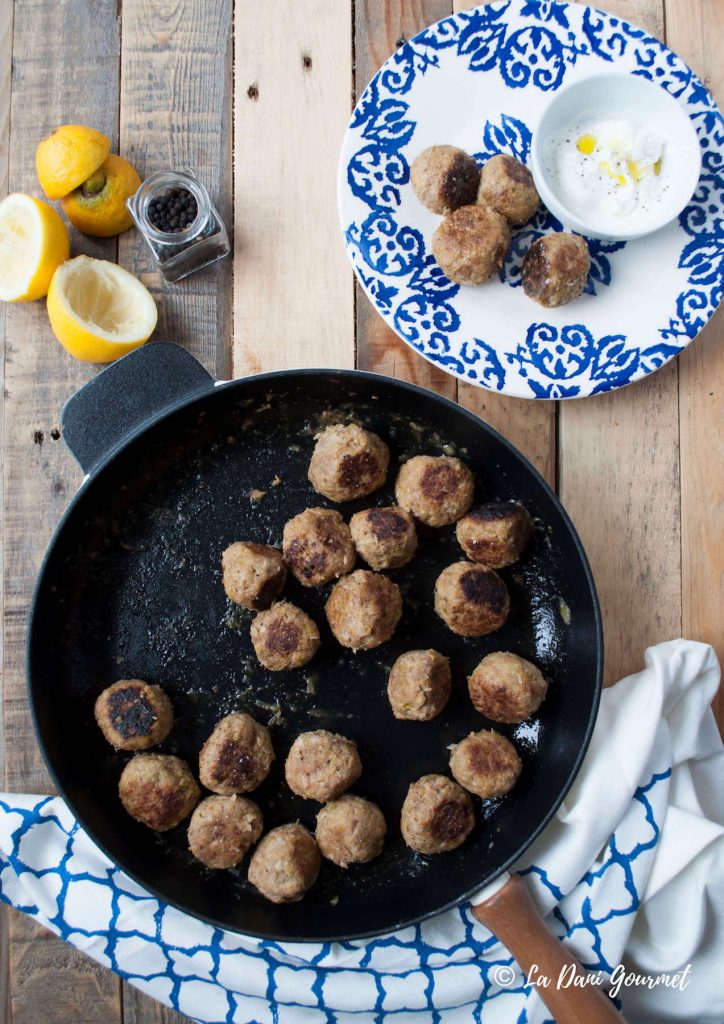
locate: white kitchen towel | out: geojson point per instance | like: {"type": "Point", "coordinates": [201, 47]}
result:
{"type": "Point", "coordinates": [630, 873]}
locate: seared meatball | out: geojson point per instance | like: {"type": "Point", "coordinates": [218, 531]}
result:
{"type": "Point", "coordinates": [471, 599]}
{"type": "Point", "coordinates": [437, 815]}
{"type": "Point", "coordinates": [223, 829]}
{"type": "Point", "coordinates": [350, 831]}
{"type": "Point", "coordinates": [485, 763]}
{"type": "Point", "coordinates": [436, 489]}
{"type": "Point", "coordinates": [363, 610]}
{"type": "Point", "coordinates": [133, 715]}
{"type": "Point", "coordinates": [236, 757]}
{"type": "Point", "coordinates": [348, 462]}
{"type": "Point", "coordinates": [284, 637]}
{"type": "Point", "coordinates": [321, 765]}
{"type": "Point", "coordinates": [506, 688]}
{"type": "Point", "coordinates": [384, 537]}
{"type": "Point", "coordinates": [444, 177]}
{"type": "Point", "coordinates": [253, 574]}
{"type": "Point", "coordinates": [285, 864]}
{"type": "Point", "coordinates": [494, 534]}
{"type": "Point", "coordinates": [158, 790]}
{"type": "Point", "coordinates": [555, 269]}
{"type": "Point", "coordinates": [419, 685]}
{"type": "Point", "coordinates": [506, 185]}
{"type": "Point", "coordinates": [471, 244]}
{"type": "Point", "coordinates": [318, 546]}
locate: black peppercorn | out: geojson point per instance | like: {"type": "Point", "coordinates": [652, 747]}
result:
{"type": "Point", "coordinates": [173, 211]}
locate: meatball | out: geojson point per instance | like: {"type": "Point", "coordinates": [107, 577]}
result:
{"type": "Point", "coordinates": [419, 685]}
{"type": "Point", "coordinates": [253, 574]}
{"type": "Point", "coordinates": [485, 763]}
{"type": "Point", "coordinates": [284, 637]}
{"type": "Point", "coordinates": [350, 831]}
{"type": "Point", "coordinates": [471, 599]}
{"type": "Point", "coordinates": [437, 815]}
{"type": "Point", "coordinates": [158, 790]}
{"type": "Point", "coordinates": [471, 244]}
{"type": "Point", "coordinates": [363, 610]}
{"type": "Point", "coordinates": [285, 864]}
{"type": "Point", "coordinates": [437, 490]}
{"type": "Point", "coordinates": [318, 546]}
{"type": "Point", "coordinates": [495, 533]}
{"type": "Point", "coordinates": [236, 757]}
{"type": "Point", "coordinates": [321, 765]}
{"type": "Point", "coordinates": [133, 715]}
{"type": "Point", "coordinates": [555, 269]}
{"type": "Point", "coordinates": [506, 688]}
{"type": "Point", "coordinates": [223, 829]}
{"type": "Point", "coordinates": [444, 178]}
{"type": "Point", "coordinates": [348, 462]}
{"type": "Point", "coordinates": [506, 185]}
{"type": "Point", "coordinates": [384, 537]}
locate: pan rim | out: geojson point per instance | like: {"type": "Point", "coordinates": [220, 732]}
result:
{"type": "Point", "coordinates": [189, 401]}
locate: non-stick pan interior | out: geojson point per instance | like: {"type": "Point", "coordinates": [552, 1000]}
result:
{"type": "Point", "coordinates": [132, 588]}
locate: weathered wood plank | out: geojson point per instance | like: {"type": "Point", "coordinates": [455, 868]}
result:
{"type": "Point", "coordinates": [48, 981]}
{"type": "Point", "coordinates": [176, 112]}
{"type": "Point", "coordinates": [141, 1009]}
{"type": "Point", "coordinates": [695, 30]}
{"type": "Point", "coordinates": [293, 288]}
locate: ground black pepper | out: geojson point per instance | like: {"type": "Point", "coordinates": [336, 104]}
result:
{"type": "Point", "coordinates": [173, 211]}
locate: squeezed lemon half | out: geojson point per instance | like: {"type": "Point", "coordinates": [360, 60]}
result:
{"type": "Point", "coordinates": [98, 311]}
{"type": "Point", "coordinates": [33, 243]}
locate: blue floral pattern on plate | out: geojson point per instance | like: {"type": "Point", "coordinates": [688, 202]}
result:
{"type": "Point", "coordinates": [480, 79]}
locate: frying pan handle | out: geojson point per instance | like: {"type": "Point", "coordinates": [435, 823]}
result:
{"type": "Point", "coordinates": [513, 917]}
{"type": "Point", "coordinates": [151, 380]}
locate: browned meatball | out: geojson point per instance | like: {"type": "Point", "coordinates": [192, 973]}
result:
{"type": "Point", "coordinates": [555, 269]}
{"type": "Point", "coordinates": [223, 829]}
{"type": "Point", "coordinates": [444, 177]}
{"type": "Point", "coordinates": [158, 790]}
{"type": "Point", "coordinates": [254, 574]}
{"type": "Point", "coordinates": [350, 831]}
{"type": "Point", "coordinates": [133, 715]}
{"type": "Point", "coordinates": [506, 688]}
{"type": "Point", "coordinates": [495, 534]}
{"type": "Point", "coordinates": [321, 765]}
{"type": "Point", "coordinates": [437, 490]}
{"type": "Point", "coordinates": [237, 756]}
{"type": "Point", "coordinates": [471, 244]}
{"type": "Point", "coordinates": [506, 185]}
{"type": "Point", "coordinates": [471, 599]}
{"type": "Point", "coordinates": [284, 637]}
{"type": "Point", "coordinates": [348, 462]}
{"type": "Point", "coordinates": [318, 546]}
{"type": "Point", "coordinates": [363, 610]}
{"type": "Point", "coordinates": [485, 763]}
{"type": "Point", "coordinates": [437, 815]}
{"type": "Point", "coordinates": [285, 864]}
{"type": "Point", "coordinates": [419, 685]}
{"type": "Point", "coordinates": [385, 537]}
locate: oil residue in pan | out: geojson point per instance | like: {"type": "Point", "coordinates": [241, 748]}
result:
{"type": "Point", "coordinates": [146, 600]}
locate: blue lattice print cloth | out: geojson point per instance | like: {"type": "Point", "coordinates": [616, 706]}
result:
{"type": "Point", "coordinates": [630, 874]}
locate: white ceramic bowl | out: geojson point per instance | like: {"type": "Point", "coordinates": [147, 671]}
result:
{"type": "Point", "coordinates": [623, 96]}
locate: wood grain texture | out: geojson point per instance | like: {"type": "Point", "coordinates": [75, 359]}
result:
{"type": "Point", "coordinates": [176, 112]}
{"type": "Point", "coordinates": [141, 1009]}
{"type": "Point", "coordinates": [293, 288]}
{"type": "Point", "coordinates": [696, 32]}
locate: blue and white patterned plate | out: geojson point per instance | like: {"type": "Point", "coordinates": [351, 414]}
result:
{"type": "Point", "coordinates": [480, 80]}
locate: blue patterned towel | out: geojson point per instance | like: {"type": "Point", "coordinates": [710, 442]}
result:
{"type": "Point", "coordinates": [630, 873]}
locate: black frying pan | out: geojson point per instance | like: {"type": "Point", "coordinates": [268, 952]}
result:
{"type": "Point", "coordinates": [131, 587]}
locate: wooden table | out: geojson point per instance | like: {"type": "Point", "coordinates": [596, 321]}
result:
{"type": "Point", "coordinates": [256, 96]}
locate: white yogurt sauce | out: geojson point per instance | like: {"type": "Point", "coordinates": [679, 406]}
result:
{"type": "Point", "coordinates": [612, 171]}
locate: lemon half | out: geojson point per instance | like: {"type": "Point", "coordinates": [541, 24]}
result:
{"type": "Point", "coordinates": [98, 311]}
{"type": "Point", "coordinates": [33, 243]}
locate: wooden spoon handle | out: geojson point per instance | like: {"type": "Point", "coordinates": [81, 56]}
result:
{"type": "Point", "coordinates": [513, 917]}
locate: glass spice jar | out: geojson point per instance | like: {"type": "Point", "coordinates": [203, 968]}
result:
{"type": "Point", "coordinates": [179, 248]}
